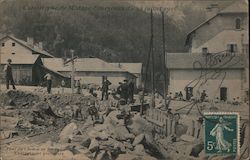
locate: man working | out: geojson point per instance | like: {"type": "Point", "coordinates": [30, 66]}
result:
{"type": "Point", "coordinates": [105, 88]}
{"type": "Point", "coordinates": [49, 82]}
{"type": "Point", "coordinates": [8, 75]}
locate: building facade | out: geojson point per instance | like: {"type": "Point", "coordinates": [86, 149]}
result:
{"type": "Point", "coordinates": [89, 70]}
{"type": "Point", "coordinates": [25, 58]}
{"type": "Point", "coordinates": [217, 61]}
{"type": "Point", "coordinates": [134, 68]}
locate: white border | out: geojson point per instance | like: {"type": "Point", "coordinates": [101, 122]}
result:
{"type": "Point", "coordinates": [238, 127]}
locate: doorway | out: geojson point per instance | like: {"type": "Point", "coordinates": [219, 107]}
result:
{"type": "Point", "coordinates": [223, 93]}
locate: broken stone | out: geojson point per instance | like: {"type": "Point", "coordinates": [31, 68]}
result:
{"type": "Point", "coordinates": [139, 149]}
{"type": "Point", "coordinates": [67, 133]}
{"type": "Point", "coordinates": [73, 149]}
{"type": "Point", "coordinates": [103, 156]}
{"type": "Point", "coordinates": [11, 103]}
{"type": "Point", "coordinates": [196, 150]}
{"type": "Point", "coordinates": [138, 139]}
{"type": "Point", "coordinates": [187, 138]}
{"type": "Point", "coordinates": [100, 128]}
{"type": "Point", "coordinates": [86, 142]}
{"type": "Point", "coordinates": [128, 145]}
{"type": "Point", "coordinates": [102, 136]}
{"type": "Point", "coordinates": [121, 133]}
{"type": "Point", "coordinates": [94, 145]}
{"type": "Point", "coordinates": [149, 138]}
{"type": "Point", "coordinates": [180, 129]}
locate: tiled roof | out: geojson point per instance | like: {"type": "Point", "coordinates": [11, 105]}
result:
{"type": "Point", "coordinates": [198, 61]}
{"type": "Point", "coordinates": [81, 64]}
{"type": "Point", "coordinates": [18, 58]}
{"type": "Point", "coordinates": [34, 48]}
{"type": "Point", "coordinates": [130, 67]}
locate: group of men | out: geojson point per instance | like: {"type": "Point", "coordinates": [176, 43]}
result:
{"type": "Point", "coordinates": [126, 91]}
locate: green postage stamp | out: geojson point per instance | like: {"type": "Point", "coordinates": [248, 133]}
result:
{"type": "Point", "coordinates": [221, 133]}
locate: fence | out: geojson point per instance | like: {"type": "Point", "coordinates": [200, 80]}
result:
{"type": "Point", "coordinates": [165, 124]}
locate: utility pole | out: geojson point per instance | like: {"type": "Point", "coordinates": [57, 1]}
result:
{"type": "Point", "coordinates": [73, 68]}
{"type": "Point", "coordinates": [72, 71]}
{"type": "Point", "coordinates": [152, 67]}
{"type": "Point", "coordinates": [165, 91]}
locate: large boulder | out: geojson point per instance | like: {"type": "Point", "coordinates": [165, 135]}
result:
{"type": "Point", "coordinates": [66, 134]}
{"type": "Point", "coordinates": [138, 139]}
{"type": "Point", "coordinates": [139, 149]}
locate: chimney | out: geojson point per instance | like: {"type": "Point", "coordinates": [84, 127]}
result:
{"type": "Point", "coordinates": [30, 41]}
{"type": "Point", "coordinates": [212, 10]}
{"type": "Point", "coordinates": [40, 45]}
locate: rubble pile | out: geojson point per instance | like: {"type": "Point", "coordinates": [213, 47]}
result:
{"type": "Point", "coordinates": [83, 127]}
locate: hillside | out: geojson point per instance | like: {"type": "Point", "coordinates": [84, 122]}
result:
{"type": "Point", "coordinates": [115, 31]}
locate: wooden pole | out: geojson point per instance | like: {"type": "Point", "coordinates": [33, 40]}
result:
{"type": "Point", "coordinates": [152, 67]}
{"type": "Point", "coordinates": [165, 91]}
{"type": "Point", "coordinates": [72, 72]}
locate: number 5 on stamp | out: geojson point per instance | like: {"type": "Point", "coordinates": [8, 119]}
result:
{"type": "Point", "coordinates": [221, 133]}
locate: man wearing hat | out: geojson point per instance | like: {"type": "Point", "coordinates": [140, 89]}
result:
{"type": "Point", "coordinates": [8, 75]}
{"type": "Point", "coordinates": [105, 87]}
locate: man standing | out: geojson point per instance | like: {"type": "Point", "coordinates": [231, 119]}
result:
{"type": "Point", "coordinates": [203, 96]}
{"type": "Point", "coordinates": [131, 91]}
{"type": "Point", "coordinates": [8, 75]}
{"type": "Point", "coordinates": [49, 82]}
{"type": "Point", "coordinates": [78, 86]}
{"type": "Point", "coordinates": [105, 88]}
{"type": "Point", "coordinates": [124, 93]}
{"type": "Point", "coordinates": [62, 85]}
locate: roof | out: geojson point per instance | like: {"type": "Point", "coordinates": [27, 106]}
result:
{"type": "Point", "coordinates": [135, 68]}
{"type": "Point", "coordinates": [81, 64]}
{"type": "Point", "coordinates": [55, 72]}
{"type": "Point", "coordinates": [18, 59]}
{"type": "Point", "coordinates": [34, 48]}
{"type": "Point", "coordinates": [239, 6]}
{"type": "Point", "coordinates": [198, 61]}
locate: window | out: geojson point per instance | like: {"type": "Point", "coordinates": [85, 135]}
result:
{"type": "Point", "coordinates": [245, 48]}
{"type": "Point", "coordinates": [204, 51]}
{"type": "Point", "coordinates": [3, 44]}
{"type": "Point", "coordinates": [232, 48]}
{"type": "Point", "coordinates": [13, 53]}
{"type": "Point", "coordinates": [237, 23]}
{"type": "Point", "coordinates": [13, 44]}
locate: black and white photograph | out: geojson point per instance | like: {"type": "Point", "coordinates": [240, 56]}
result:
{"type": "Point", "coordinates": [124, 80]}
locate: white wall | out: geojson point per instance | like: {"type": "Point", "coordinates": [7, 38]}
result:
{"type": "Point", "coordinates": [179, 79]}
{"type": "Point", "coordinates": [220, 41]}
{"type": "Point", "coordinates": [218, 32]}
{"type": "Point", "coordinates": [17, 49]}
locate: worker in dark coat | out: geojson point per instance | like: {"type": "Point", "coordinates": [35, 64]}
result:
{"type": "Point", "coordinates": [131, 91]}
{"type": "Point", "coordinates": [124, 91]}
{"type": "Point", "coordinates": [8, 75]}
{"type": "Point", "coordinates": [105, 88]}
